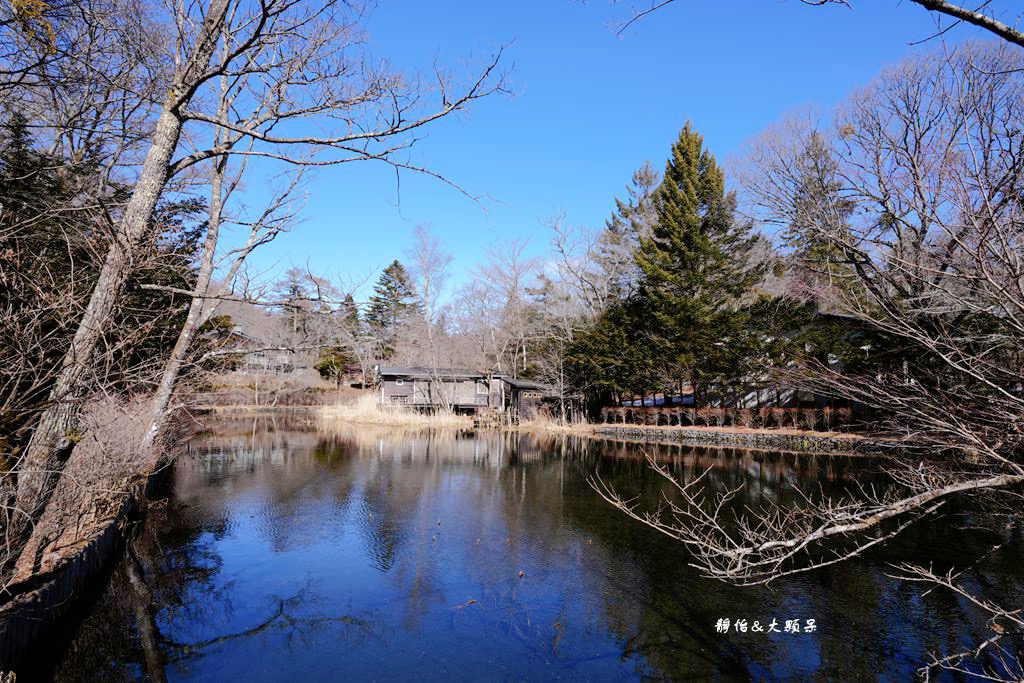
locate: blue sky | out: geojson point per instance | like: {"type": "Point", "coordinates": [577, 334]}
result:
{"type": "Point", "coordinates": [588, 109]}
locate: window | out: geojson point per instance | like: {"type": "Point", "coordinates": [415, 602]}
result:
{"type": "Point", "coordinates": [481, 387]}
{"type": "Point", "coordinates": [399, 382]}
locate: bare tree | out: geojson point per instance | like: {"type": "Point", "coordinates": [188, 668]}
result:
{"type": "Point", "coordinates": [264, 66]}
{"type": "Point", "coordinates": [429, 269]}
{"type": "Point", "coordinates": [982, 16]}
{"type": "Point", "coordinates": [493, 309]}
{"type": "Point", "coordinates": [559, 318]}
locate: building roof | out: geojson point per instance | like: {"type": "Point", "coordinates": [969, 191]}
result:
{"type": "Point", "coordinates": [527, 384]}
{"type": "Point", "coordinates": [456, 374]}
{"type": "Point", "coordinates": [429, 373]}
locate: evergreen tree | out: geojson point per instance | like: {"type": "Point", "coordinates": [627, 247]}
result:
{"type": "Point", "coordinates": [350, 314]}
{"type": "Point", "coordinates": [392, 304]}
{"type": "Point", "coordinates": [632, 220]}
{"type": "Point", "coordinates": [613, 359]}
{"type": "Point", "coordinates": [819, 215]}
{"type": "Point", "coordinates": [696, 268]}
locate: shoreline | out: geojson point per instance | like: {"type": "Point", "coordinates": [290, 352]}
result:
{"type": "Point", "coordinates": [790, 440]}
{"type": "Point", "coordinates": [782, 439]}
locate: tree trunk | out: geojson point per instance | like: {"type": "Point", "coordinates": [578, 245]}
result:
{"type": "Point", "coordinates": [54, 435]}
{"type": "Point", "coordinates": [197, 315]}
{"type": "Point", "coordinates": [53, 438]}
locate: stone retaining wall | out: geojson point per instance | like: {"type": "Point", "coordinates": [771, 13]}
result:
{"type": "Point", "coordinates": [809, 443]}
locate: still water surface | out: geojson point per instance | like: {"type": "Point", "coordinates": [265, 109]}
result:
{"type": "Point", "coordinates": [284, 554]}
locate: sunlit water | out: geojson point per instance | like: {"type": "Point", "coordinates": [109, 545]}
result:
{"type": "Point", "coordinates": [295, 555]}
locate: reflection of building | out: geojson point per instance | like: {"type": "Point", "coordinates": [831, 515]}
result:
{"type": "Point", "coordinates": [461, 390]}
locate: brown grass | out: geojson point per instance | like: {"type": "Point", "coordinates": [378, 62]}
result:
{"type": "Point", "coordinates": [94, 484]}
{"type": "Point", "coordinates": [367, 410]}
{"type": "Point", "coordinates": [542, 422]}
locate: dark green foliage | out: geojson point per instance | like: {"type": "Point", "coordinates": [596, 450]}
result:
{"type": "Point", "coordinates": [613, 356]}
{"type": "Point", "coordinates": [696, 270]}
{"type": "Point", "coordinates": [334, 362]}
{"type": "Point", "coordinates": [155, 317]}
{"type": "Point", "coordinates": [55, 220]}
{"type": "Point", "coordinates": [391, 305]}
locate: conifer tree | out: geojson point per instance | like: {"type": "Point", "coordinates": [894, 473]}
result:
{"type": "Point", "coordinates": [632, 220]}
{"type": "Point", "coordinates": [391, 305]}
{"type": "Point", "coordinates": [695, 270]}
{"type": "Point", "coordinates": [350, 313]}
{"type": "Point", "coordinates": [819, 215]}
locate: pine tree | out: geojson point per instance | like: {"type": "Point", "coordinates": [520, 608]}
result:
{"type": "Point", "coordinates": [631, 221]}
{"type": "Point", "coordinates": [391, 305]}
{"type": "Point", "coordinates": [819, 214]}
{"type": "Point", "coordinates": [695, 271]}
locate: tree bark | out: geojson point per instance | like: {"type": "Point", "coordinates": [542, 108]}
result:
{"type": "Point", "coordinates": [54, 436]}
{"type": "Point", "coordinates": [197, 315]}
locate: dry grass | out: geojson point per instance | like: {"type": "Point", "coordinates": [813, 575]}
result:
{"type": "Point", "coordinates": [367, 410]}
{"type": "Point", "coordinates": [542, 422]}
{"type": "Point", "coordinates": [93, 485]}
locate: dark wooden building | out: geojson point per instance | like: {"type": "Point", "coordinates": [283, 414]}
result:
{"type": "Point", "coordinates": [460, 390]}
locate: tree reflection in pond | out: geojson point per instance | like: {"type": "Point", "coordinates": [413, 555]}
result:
{"type": "Point", "coordinates": [386, 555]}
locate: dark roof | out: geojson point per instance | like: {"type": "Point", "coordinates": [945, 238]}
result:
{"type": "Point", "coordinates": [526, 384]}
{"type": "Point", "coordinates": [456, 374]}
{"type": "Point", "coordinates": [429, 373]}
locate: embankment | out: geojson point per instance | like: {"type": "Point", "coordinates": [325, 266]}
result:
{"type": "Point", "coordinates": [781, 440]}
{"type": "Point", "coordinates": [87, 520]}
{"type": "Point", "coordinates": [39, 603]}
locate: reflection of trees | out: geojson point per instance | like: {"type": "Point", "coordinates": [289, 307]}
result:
{"type": "Point", "coordinates": [450, 520]}
{"type": "Point", "coordinates": [864, 612]}
{"type": "Point", "coordinates": [167, 582]}
{"type": "Point", "coordinates": [103, 647]}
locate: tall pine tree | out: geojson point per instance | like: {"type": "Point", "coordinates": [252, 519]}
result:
{"type": "Point", "coordinates": [392, 304]}
{"type": "Point", "coordinates": [696, 267]}
{"type": "Point", "coordinates": [632, 220]}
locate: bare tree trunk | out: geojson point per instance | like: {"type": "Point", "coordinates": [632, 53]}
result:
{"type": "Point", "coordinates": [53, 438]}
{"type": "Point", "coordinates": [197, 315]}
{"type": "Point", "coordinates": [51, 443]}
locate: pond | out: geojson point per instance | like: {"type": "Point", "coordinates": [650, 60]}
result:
{"type": "Point", "coordinates": [365, 554]}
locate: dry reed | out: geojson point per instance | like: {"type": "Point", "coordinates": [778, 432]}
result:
{"type": "Point", "coordinates": [367, 410]}
{"type": "Point", "coordinates": [542, 422]}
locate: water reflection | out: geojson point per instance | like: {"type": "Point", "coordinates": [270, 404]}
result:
{"type": "Point", "coordinates": [391, 555]}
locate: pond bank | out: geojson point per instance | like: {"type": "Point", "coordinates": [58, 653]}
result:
{"type": "Point", "coordinates": [367, 412]}
{"type": "Point", "coordinates": [42, 601]}
{"type": "Point", "coordinates": [807, 442]}
{"type": "Point", "coordinates": [104, 489]}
